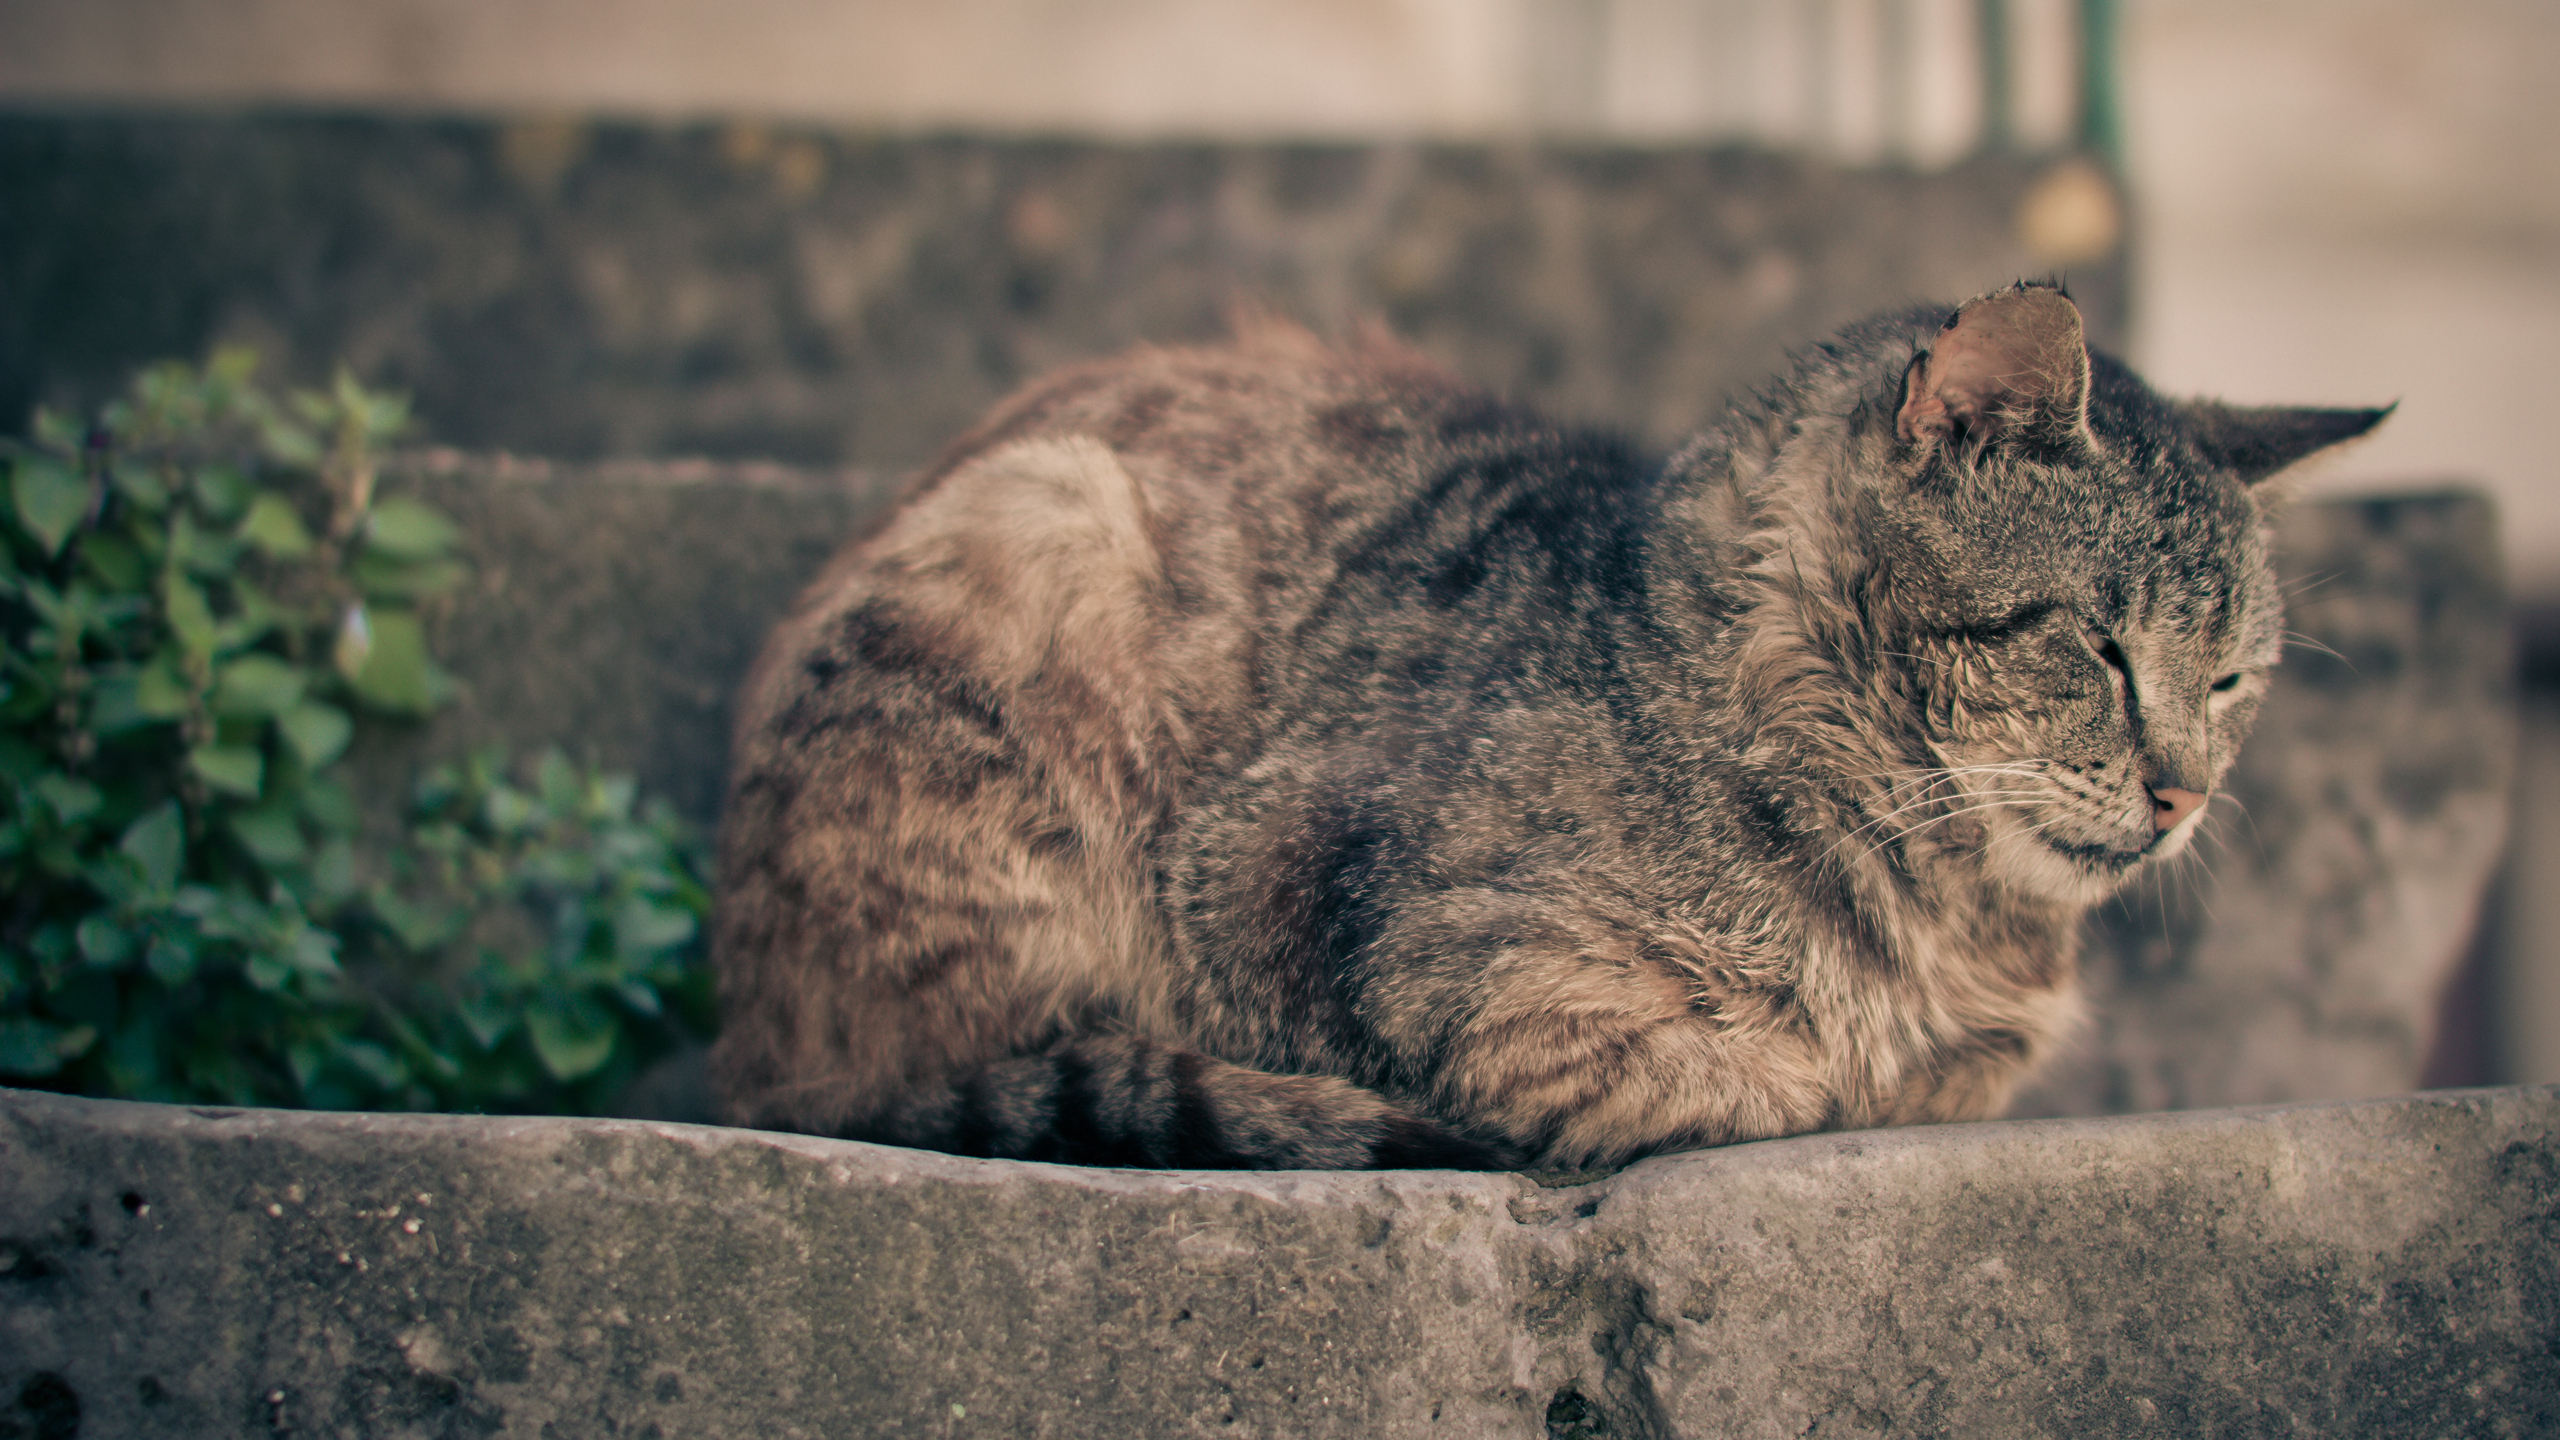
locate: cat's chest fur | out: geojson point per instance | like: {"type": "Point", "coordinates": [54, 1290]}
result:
{"type": "Point", "coordinates": [1273, 756]}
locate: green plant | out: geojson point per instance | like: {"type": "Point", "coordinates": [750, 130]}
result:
{"type": "Point", "coordinates": [203, 598]}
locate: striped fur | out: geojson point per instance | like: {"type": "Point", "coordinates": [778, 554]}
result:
{"type": "Point", "coordinates": [1275, 756]}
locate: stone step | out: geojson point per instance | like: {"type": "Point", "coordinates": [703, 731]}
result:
{"type": "Point", "coordinates": [2384, 1267]}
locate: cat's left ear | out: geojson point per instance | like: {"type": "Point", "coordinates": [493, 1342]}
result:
{"type": "Point", "coordinates": [2258, 441]}
{"type": "Point", "coordinates": [2014, 361]}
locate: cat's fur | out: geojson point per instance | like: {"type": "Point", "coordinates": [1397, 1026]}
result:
{"type": "Point", "coordinates": [1275, 756]}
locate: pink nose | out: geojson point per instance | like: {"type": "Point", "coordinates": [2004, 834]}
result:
{"type": "Point", "coordinates": [2169, 806]}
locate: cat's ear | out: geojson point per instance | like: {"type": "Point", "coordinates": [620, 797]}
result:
{"type": "Point", "coordinates": [2257, 441]}
{"type": "Point", "coordinates": [2013, 361]}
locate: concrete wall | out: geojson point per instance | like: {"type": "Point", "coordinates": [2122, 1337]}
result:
{"type": "Point", "coordinates": [577, 290]}
{"type": "Point", "coordinates": [2390, 1268]}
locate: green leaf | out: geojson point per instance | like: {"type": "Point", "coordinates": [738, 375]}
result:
{"type": "Point", "coordinates": [396, 673]}
{"type": "Point", "coordinates": [139, 484]}
{"type": "Point", "coordinates": [268, 973]}
{"type": "Point", "coordinates": [28, 697]}
{"type": "Point", "coordinates": [382, 577]}
{"type": "Point", "coordinates": [311, 950]}
{"type": "Point", "coordinates": [614, 796]}
{"type": "Point", "coordinates": [329, 805]}
{"type": "Point", "coordinates": [486, 1022]}
{"type": "Point", "coordinates": [172, 959]}
{"type": "Point", "coordinates": [70, 800]}
{"type": "Point", "coordinates": [640, 927]}
{"type": "Point", "coordinates": [410, 529]}
{"type": "Point", "coordinates": [378, 1065]}
{"type": "Point", "coordinates": [104, 942]}
{"type": "Point", "coordinates": [202, 552]}
{"type": "Point", "coordinates": [233, 769]}
{"type": "Point", "coordinates": [257, 685]}
{"type": "Point", "coordinates": [382, 413]}
{"type": "Point", "coordinates": [134, 1057]}
{"type": "Point", "coordinates": [641, 996]}
{"type": "Point", "coordinates": [333, 871]}
{"type": "Point", "coordinates": [113, 559]}
{"type": "Point", "coordinates": [158, 843]}
{"type": "Point", "coordinates": [270, 833]}
{"type": "Point", "coordinates": [37, 1048]}
{"type": "Point", "coordinates": [115, 703]}
{"type": "Point", "coordinates": [222, 490]}
{"type": "Point", "coordinates": [318, 733]}
{"type": "Point", "coordinates": [274, 527]}
{"type": "Point", "coordinates": [419, 928]}
{"type": "Point", "coordinates": [289, 441]}
{"type": "Point", "coordinates": [556, 780]}
{"type": "Point", "coordinates": [189, 614]}
{"type": "Point", "coordinates": [158, 689]}
{"type": "Point", "coordinates": [509, 810]}
{"type": "Point", "coordinates": [58, 430]}
{"type": "Point", "coordinates": [573, 1038]}
{"type": "Point", "coordinates": [51, 499]}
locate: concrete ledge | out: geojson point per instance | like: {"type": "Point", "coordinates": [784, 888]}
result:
{"type": "Point", "coordinates": [2388, 1267]}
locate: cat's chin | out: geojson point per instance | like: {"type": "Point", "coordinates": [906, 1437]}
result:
{"type": "Point", "coordinates": [2027, 859]}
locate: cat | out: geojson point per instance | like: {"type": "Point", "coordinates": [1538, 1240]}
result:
{"type": "Point", "coordinates": [1282, 756]}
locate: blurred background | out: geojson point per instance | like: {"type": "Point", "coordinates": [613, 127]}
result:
{"type": "Point", "coordinates": [2321, 201]}
{"type": "Point", "coordinates": [2337, 200]}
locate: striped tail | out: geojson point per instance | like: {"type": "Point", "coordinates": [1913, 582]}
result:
{"type": "Point", "coordinates": [1121, 1099]}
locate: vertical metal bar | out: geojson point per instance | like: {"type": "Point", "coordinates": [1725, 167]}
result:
{"type": "Point", "coordinates": [1898, 67]}
{"type": "Point", "coordinates": [1568, 51]}
{"type": "Point", "coordinates": [1736, 49]}
{"type": "Point", "coordinates": [1820, 62]}
{"type": "Point", "coordinates": [1999, 118]}
{"type": "Point", "coordinates": [2101, 119]}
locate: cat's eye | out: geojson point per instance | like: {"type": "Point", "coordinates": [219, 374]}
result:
{"type": "Point", "coordinates": [2227, 683]}
{"type": "Point", "coordinates": [2111, 652]}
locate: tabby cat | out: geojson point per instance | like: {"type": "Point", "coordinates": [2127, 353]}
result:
{"type": "Point", "coordinates": [1279, 756]}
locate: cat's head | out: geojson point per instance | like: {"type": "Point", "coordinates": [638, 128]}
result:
{"type": "Point", "coordinates": [2065, 583]}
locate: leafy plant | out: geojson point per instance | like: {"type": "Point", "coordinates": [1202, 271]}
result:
{"type": "Point", "coordinates": [203, 598]}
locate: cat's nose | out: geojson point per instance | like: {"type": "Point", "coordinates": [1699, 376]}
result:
{"type": "Point", "coordinates": [2170, 805]}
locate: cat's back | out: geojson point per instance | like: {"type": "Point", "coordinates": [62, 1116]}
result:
{"type": "Point", "coordinates": [1276, 450]}
{"type": "Point", "coordinates": [1164, 516]}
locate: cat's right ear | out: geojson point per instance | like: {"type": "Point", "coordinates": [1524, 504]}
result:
{"type": "Point", "coordinates": [2013, 361]}
{"type": "Point", "coordinates": [2256, 442]}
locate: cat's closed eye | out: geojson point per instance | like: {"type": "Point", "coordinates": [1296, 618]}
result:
{"type": "Point", "coordinates": [2227, 683]}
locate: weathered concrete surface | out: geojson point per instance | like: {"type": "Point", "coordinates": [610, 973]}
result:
{"type": "Point", "coordinates": [2380, 1268]}
{"type": "Point", "coordinates": [614, 608]}
{"type": "Point", "coordinates": [840, 296]}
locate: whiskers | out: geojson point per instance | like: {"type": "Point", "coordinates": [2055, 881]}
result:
{"type": "Point", "coordinates": [2187, 872]}
{"type": "Point", "coordinates": [2183, 883]}
{"type": "Point", "coordinates": [2295, 589]}
{"type": "Point", "coordinates": [2221, 843]}
{"type": "Point", "coordinates": [1936, 786]}
{"type": "Point", "coordinates": [2295, 639]}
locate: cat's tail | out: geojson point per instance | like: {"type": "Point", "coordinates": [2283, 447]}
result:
{"type": "Point", "coordinates": [1123, 1099]}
